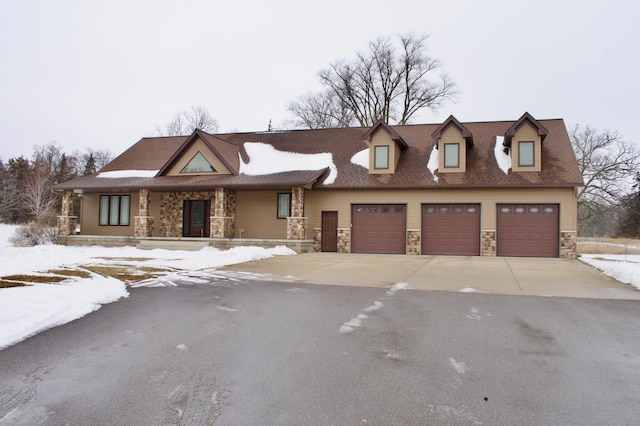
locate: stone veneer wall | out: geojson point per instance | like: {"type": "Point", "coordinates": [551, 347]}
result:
{"type": "Point", "coordinates": [223, 216]}
{"type": "Point", "coordinates": [296, 228]}
{"type": "Point", "coordinates": [344, 240]}
{"type": "Point", "coordinates": [66, 221]}
{"type": "Point", "coordinates": [569, 244]}
{"type": "Point", "coordinates": [317, 240]}
{"type": "Point", "coordinates": [143, 226]}
{"type": "Point", "coordinates": [67, 225]}
{"type": "Point", "coordinates": [488, 243]}
{"type": "Point", "coordinates": [413, 242]}
{"type": "Point", "coordinates": [171, 210]}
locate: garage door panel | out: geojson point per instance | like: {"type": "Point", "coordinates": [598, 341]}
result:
{"type": "Point", "coordinates": [378, 228]}
{"type": "Point", "coordinates": [528, 230]}
{"type": "Point", "coordinates": [451, 229]}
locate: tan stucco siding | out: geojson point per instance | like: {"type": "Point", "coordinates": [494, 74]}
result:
{"type": "Point", "coordinates": [526, 133]}
{"type": "Point", "coordinates": [256, 212]}
{"type": "Point", "coordinates": [198, 146]}
{"type": "Point", "coordinates": [452, 135]}
{"type": "Point", "coordinates": [91, 211]}
{"type": "Point", "coordinates": [341, 201]}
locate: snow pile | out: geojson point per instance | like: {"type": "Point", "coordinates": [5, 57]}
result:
{"type": "Point", "coordinates": [614, 265]}
{"type": "Point", "coordinates": [432, 164]}
{"type": "Point", "coordinates": [361, 158]}
{"type": "Point", "coordinates": [25, 311]}
{"type": "Point", "coordinates": [264, 159]}
{"type": "Point", "coordinates": [128, 174]}
{"type": "Point", "coordinates": [503, 160]}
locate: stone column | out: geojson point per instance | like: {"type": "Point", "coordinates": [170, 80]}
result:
{"type": "Point", "coordinates": [297, 223]}
{"type": "Point", "coordinates": [569, 244]}
{"type": "Point", "coordinates": [488, 243]}
{"type": "Point", "coordinates": [144, 222]}
{"type": "Point", "coordinates": [223, 220]}
{"type": "Point", "coordinates": [413, 241]}
{"type": "Point", "coordinates": [66, 221]}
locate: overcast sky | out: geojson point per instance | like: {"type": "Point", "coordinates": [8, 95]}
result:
{"type": "Point", "coordinates": [103, 74]}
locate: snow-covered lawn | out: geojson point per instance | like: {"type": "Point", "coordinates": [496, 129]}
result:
{"type": "Point", "coordinates": [78, 280]}
{"type": "Point", "coordinates": [615, 265]}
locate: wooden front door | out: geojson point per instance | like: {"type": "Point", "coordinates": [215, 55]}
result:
{"type": "Point", "coordinates": [195, 220]}
{"type": "Point", "coordinates": [329, 231]}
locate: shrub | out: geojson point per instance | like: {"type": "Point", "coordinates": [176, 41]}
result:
{"type": "Point", "coordinates": [34, 235]}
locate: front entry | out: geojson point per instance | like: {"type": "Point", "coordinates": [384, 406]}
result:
{"type": "Point", "coordinates": [329, 236]}
{"type": "Point", "coordinates": [195, 219]}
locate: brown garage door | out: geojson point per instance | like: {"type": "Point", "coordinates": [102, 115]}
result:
{"type": "Point", "coordinates": [528, 230]}
{"type": "Point", "coordinates": [451, 229]}
{"type": "Point", "coordinates": [378, 228]}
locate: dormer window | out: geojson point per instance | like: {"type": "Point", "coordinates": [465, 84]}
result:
{"type": "Point", "coordinates": [452, 141]}
{"type": "Point", "coordinates": [525, 153]}
{"type": "Point", "coordinates": [381, 154]}
{"type": "Point", "coordinates": [451, 155]}
{"type": "Point", "coordinates": [385, 147]}
{"type": "Point", "coordinates": [524, 140]}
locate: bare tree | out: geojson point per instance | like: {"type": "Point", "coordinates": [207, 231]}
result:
{"type": "Point", "coordinates": [39, 200]}
{"type": "Point", "coordinates": [391, 81]}
{"type": "Point", "coordinates": [608, 165]}
{"type": "Point", "coordinates": [185, 122]}
{"type": "Point", "coordinates": [320, 111]}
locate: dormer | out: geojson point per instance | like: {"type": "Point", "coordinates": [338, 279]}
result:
{"type": "Point", "coordinates": [452, 140]}
{"type": "Point", "coordinates": [524, 140]}
{"type": "Point", "coordinates": [202, 154]}
{"type": "Point", "coordinates": [385, 147]}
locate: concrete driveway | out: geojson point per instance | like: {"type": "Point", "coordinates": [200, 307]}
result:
{"type": "Point", "coordinates": [495, 275]}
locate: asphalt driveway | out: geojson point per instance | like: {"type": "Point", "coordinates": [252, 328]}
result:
{"type": "Point", "coordinates": [493, 275]}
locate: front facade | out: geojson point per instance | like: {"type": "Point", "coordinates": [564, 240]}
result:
{"type": "Point", "coordinates": [475, 189]}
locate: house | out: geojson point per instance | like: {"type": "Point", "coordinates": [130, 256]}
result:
{"type": "Point", "coordinates": [503, 188]}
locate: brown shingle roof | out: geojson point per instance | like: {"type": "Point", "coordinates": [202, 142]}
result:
{"type": "Point", "coordinates": [559, 166]}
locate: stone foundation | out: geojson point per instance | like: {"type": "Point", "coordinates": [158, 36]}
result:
{"type": "Point", "coordinates": [296, 228]}
{"type": "Point", "coordinates": [221, 227]}
{"type": "Point", "coordinates": [568, 244]}
{"type": "Point", "coordinates": [67, 225]}
{"type": "Point", "coordinates": [488, 243]}
{"type": "Point", "coordinates": [344, 240]}
{"type": "Point", "coordinates": [143, 226]}
{"type": "Point", "coordinates": [413, 242]}
{"type": "Point", "coordinates": [317, 240]}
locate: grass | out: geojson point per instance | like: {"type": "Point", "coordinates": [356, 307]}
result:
{"type": "Point", "coordinates": [608, 246]}
{"type": "Point", "coordinates": [124, 273]}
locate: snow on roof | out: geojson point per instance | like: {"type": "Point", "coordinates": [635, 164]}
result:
{"type": "Point", "coordinates": [128, 174]}
{"type": "Point", "coordinates": [264, 159]}
{"type": "Point", "coordinates": [503, 160]}
{"type": "Point", "coordinates": [432, 164]}
{"type": "Point", "coordinates": [361, 158]}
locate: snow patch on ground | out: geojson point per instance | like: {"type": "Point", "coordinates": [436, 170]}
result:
{"type": "Point", "coordinates": [356, 321]}
{"type": "Point", "coordinates": [27, 310]}
{"type": "Point", "coordinates": [614, 265]}
{"type": "Point", "coordinates": [459, 366]}
{"type": "Point", "coordinates": [264, 159]}
{"type": "Point", "coordinates": [432, 164]}
{"type": "Point", "coordinates": [503, 160]}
